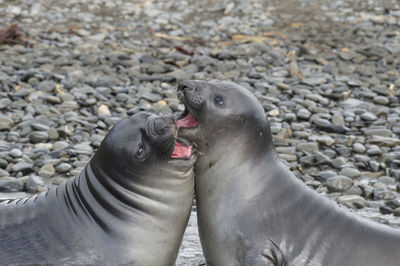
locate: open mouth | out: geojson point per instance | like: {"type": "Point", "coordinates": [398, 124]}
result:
{"type": "Point", "coordinates": [186, 121]}
{"type": "Point", "coordinates": [183, 148]}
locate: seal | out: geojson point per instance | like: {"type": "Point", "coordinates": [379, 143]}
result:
{"type": "Point", "coordinates": [130, 204]}
{"type": "Point", "coordinates": [251, 209]}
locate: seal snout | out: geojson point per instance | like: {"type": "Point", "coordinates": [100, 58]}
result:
{"type": "Point", "coordinates": [162, 127]}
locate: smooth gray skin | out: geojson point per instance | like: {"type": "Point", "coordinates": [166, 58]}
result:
{"type": "Point", "coordinates": [126, 207]}
{"type": "Point", "coordinates": [251, 209]}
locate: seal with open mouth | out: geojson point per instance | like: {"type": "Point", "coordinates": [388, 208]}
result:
{"type": "Point", "coordinates": [251, 209]}
{"type": "Point", "coordinates": [130, 205]}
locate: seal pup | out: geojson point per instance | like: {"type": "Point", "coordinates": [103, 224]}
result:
{"type": "Point", "coordinates": [130, 205]}
{"type": "Point", "coordinates": [251, 209]}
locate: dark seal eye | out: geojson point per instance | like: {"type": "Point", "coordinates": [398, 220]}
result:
{"type": "Point", "coordinates": [218, 100]}
{"type": "Point", "coordinates": [140, 153]}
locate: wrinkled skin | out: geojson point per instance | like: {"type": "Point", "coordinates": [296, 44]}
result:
{"type": "Point", "coordinates": [130, 205]}
{"type": "Point", "coordinates": [251, 209]}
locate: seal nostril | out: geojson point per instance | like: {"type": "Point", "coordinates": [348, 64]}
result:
{"type": "Point", "coordinates": [160, 127]}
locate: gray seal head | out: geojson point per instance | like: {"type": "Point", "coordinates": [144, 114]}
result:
{"type": "Point", "coordinates": [251, 209]}
{"type": "Point", "coordinates": [130, 205]}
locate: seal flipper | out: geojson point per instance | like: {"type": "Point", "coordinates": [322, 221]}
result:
{"type": "Point", "coordinates": [273, 254]}
{"type": "Point", "coordinates": [268, 255]}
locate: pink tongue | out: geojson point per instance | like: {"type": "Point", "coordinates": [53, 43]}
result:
{"type": "Point", "coordinates": [181, 151]}
{"type": "Point", "coordinates": [187, 122]}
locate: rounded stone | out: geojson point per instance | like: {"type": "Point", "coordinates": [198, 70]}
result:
{"type": "Point", "coordinates": [47, 171]}
{"type": "Point", "coordinates": [303, 113]}
{"type": "Point", "coordinates": [350, 172]}
{"type": "Point", "coordinates": [23, 166]}
{"type": "Point", "coordinates": [357, 201]}
{"type": "Point", "coordinates": [6, 123]}
{"type": "Point", "coordinates": [307, 147]}
{"type": "Point", "coordinates": [35, 184]}
{"type": "Point", "coordinates": [63, 167]}
{"type": "Point", "coordinates": [358, 147]}
{"type": "Point", "coordinates": [381, 100]}
{"type": "Point", "coordinates": [368, 116]}
{"type": "Point", "coordinates": [338, 183]}
{"type": "Point", "coordinates": [38, 136]}
{"type": "Point", "coordinates": [11, 184]}
{"type": "Point", "coordinates": [374, 150]}
{"type": "Point", "coordinates": [16, 153]}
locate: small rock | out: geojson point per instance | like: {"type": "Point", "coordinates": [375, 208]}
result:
{"type": "Point", "coordinates": [60, 145]}
{"type": "Point", "coordinates": [23, 167]}
{"type": "Point", "coordinates": [303, 113]}
{"type": "Point", "coordinates": [338, 183]}
{"type": "Point", "coordinates": [387, 180]}
{"type": "Point", "coordinates": [358, 201]}
{"type": "Point", "coordinates": [307, 147]}
{"type": "Point", "coordinates": [63, 167]}
{"type": "Point", "coordinates": [396, 212]}
{"type": "Point", "coordinates": [325, 139]}
{"type": "Point", "coordinates": [16, 153]}
{"type": "Point", "coordinates": [368, 116]}
{"type": "Point", "coordinates": [47, 171]}
{"type": "Point", "coordinates": [350, 172]}
{"type": "Point", "coordinates": [4, 102]}
{"type": "Point", "coordinates": [383, 194]}
{"type": "Point", "coordinates": [273, 113]}
{"type": "Point", "coordinates": [4, 172]}
{"type": "Point", "coordinates": [381, 100]}
{"type": "Point", "coordinates": [337, 119]}
{"type": "Point", "coordinates": [374, 150]}
{"type": "Point", "coordinates": [35, 184]}
{"type": "Point", "coordinates": [11, 185]}
{"type": "Point", "coordinates": [359, 148]}
{"type": "Point", "coordinates": [6, 123]}
{"type": "Point", "coordinates": [103, 110]}
{"type": "Point", "coordinates": [338, 162]}
{"type": "Point", "coordinates": [385, 210]}
{"type": "Point", "coordinates": [38, 136]}
{"type": "Point", "coordinates": [83, 148]}
{"type": "Point", "coordinates": [324, 175]}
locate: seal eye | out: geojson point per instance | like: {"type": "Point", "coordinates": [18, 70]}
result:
{"type": "Point", "coordinates": [218, 100]}
{"type": "Point", "coordinates": [140, 153]}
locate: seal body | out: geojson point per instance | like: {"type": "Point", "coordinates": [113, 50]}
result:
{"type": "Point", "coordinates": [251, 209]}
{"type": "Point", "coordinates": [130, 205]}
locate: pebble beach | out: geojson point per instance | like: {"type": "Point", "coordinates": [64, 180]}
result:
{"type": "Point", "coordinates": [326, 73]}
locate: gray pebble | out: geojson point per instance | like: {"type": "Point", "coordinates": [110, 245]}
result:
{"type": "Point", "coordinates": [38, 136]}
{"type": "Point", "coordinates": [24, 167]}
{"type": "Point", "coordinates": [387, 180]}
{"type": "Point", "coordinates": [4, 102]}
{"type": "Point", "coordinates": [83, 148]}
{"type": "Point", "coordinates": [338, 183]}
{"type": "Point", "coordinates": [63, 167]}
{"type": "Point", "coordinates": [324, 175]}
{"type": "Point", "coordinates": [60, 145]}
{"type": "Point", "coordinates": [357, 201]}
{"type": "Point", "coordinates": [359, 148]}
{"type": "Point", "coordinates": [35, 184]}
{"type": "Point", "coordinates": [383, 194]}
{"type": "Point", "coordinates": [303, 113]}
{"type": "Point", "coordinates": [307, 147]}
{"type": "Point", "coordinates": [368, 116]}
{"type": "Point", "coordinates": [11, 185]}
{"type": "Point", "coordinates": [350, 172]}
{"type": "Point", "coordinates": [47, 171]}
{"type": "Point", "coordinates": [6, 123]}
{"type": "Point", "coordinates": [16, 153]}
{"type": "Point", "coordinates": [374, 150]}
